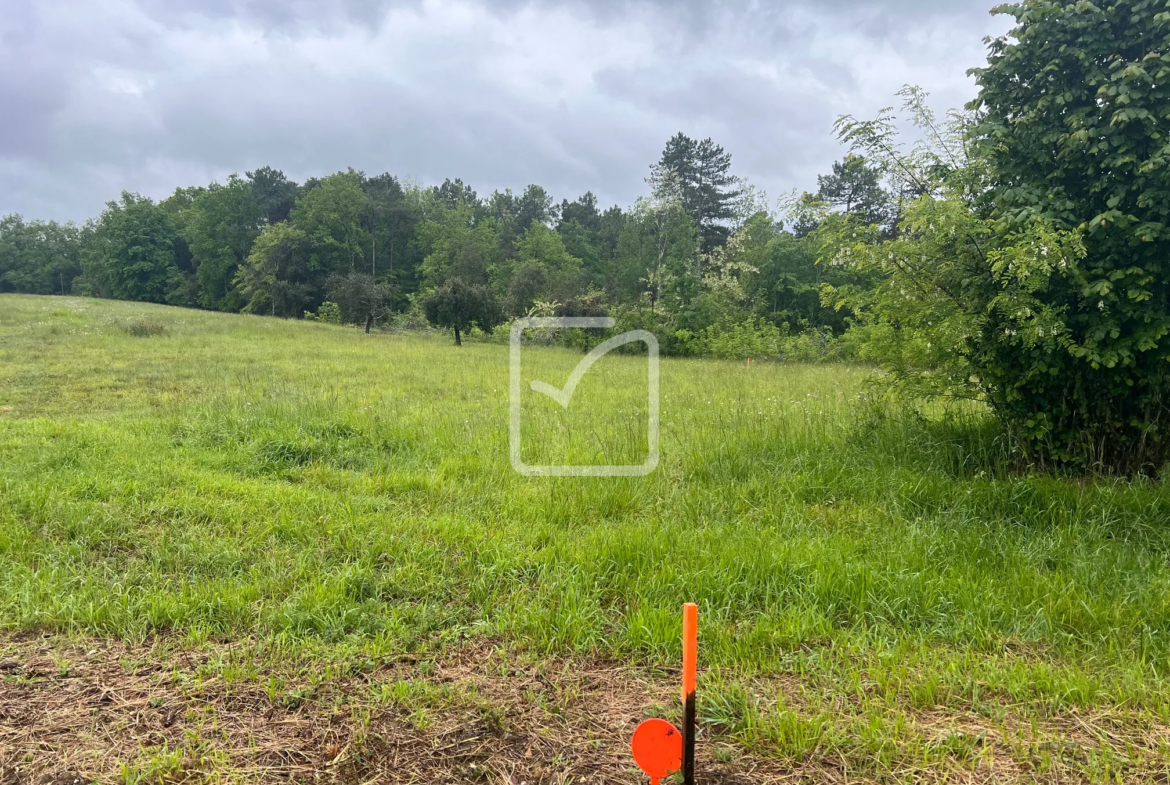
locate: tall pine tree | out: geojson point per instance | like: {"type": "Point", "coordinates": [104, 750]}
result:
{"type": "Point", "coordinates": [701, 170]}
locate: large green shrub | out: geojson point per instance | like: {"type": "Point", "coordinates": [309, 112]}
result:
{"type": "Point", "coordinates": [1075, 129]}
{"type": "Point", "coordinates": [1033, 272]}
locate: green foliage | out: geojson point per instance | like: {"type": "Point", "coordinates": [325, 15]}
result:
{"type": "Point", "coordinates": [457, 305]}
{"type": "Point", "coordinates": [392, 215]}
{"type": "Point", "coordinates": [220, 227]}
{"type": "Point", "coordinates": [514, 215]}
{"type": "Point", "coordinates": [706, 188]}
{"type": "Point", "coordinates": [658, 254]}
{"type": "Point", "coordinates": [1075, 128]}
{"type": "Point", "coordinates": [359, 298]}
{"type": "Point", "coordinates": [331, 215]}
{"type": "Point", "coordinates": [327, 312]}
{"type": "Point", "coordinates": [777, 276]}
{"type": "Point", "coordinates": [1033, 272]}
{"type": "Point", "coordinates": [275, 279]}
{"type": "Point", "coordinates": [272, 193]}
{"type": "Point", "coordinates": [760, 339]}
{"type": "Point", "coordinates": [583, 211]}
{"type": "Point", "coordinates": [946, 300]}
{"type": "Point", "coordinates": [264, 245]}
{"type": "Point", "coordinates": [855, 188]}
{"type": "Point", "coordinates": [132, 253]}
{"type": "Point", "coordinates": [38, 257]}
{"type": "Point", "coordinates": [755, 338]}
{"type": "Point", "coordinates": [456, 243]}
{"type": "Point", "coordinates": [542, 270]}
{"type": "Point", "coordinates": [581, 243]}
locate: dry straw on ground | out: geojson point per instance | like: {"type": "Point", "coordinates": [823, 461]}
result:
{"type": "Point", "coordinates": [95, 711]}
{"type": "Point", "coordinates": [75, 711]}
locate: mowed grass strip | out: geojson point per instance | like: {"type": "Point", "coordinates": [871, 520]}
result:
{"type": "Point", "coordinates": [867, 574]}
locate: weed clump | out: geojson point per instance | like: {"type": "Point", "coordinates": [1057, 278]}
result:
{"type": "Point", "coordinates": [144, 328]}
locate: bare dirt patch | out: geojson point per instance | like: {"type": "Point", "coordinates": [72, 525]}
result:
{"type": "Point", "coordinates": [79, 711]}
{"type": "Point", "coordinates": [75, 712]}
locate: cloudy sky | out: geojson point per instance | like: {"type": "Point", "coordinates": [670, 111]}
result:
{"type": "Point", "coordinates": [105, 95]}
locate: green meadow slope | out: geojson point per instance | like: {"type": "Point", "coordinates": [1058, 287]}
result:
{"type": "Point", "coordinates": [878, 595]}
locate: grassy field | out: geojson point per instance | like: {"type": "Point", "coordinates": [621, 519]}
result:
{"type": "Point", "coordinates": [232, 515]}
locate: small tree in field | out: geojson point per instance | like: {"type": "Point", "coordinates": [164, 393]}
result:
{"type": "Point", "coordinates": [457, 306]}
{"type": "Point", "coordinates": [1033, 271]}
{"type": "Point", "coordinates": [361, 299]}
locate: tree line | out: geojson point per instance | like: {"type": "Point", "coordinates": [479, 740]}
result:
{"type": "Point", "coordinates": [699, 254]}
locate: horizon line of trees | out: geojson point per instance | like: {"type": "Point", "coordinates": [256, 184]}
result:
{"type": "Point", "coordinates": [700, 252]}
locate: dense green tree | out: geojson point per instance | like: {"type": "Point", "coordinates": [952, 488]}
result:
{"type": "Point", "coordinates": [390, 221]}
{"type": "Point", "coordinates": [331, 215]}
{"type": "Point", "coordinates": [535, 205]}
{"type": "Point", "coordinates": [38, 257]}
{"type": "Point", "coordinates": [276, 278]}
{"type": "Point", "coordinates": [219, 228]}
{"type": "Point", "coordinates": [529, 283]}
{"type": "Point", "coordinates": [452, 192]}
{"type": "Point", "coordinates": [1033, 273]}
{"type": "Point", "coordinates": [178, 207]}
{"type": "Point", "coordinates": [273, 194]}
{"type": "Point", "coordinates": [609, 230]}
{"type": "Point", "coordinates": [513, 215]}
{"type": "Point", "coordinates": [584, 211]}
{"type": "Point", "coordinates": [503, 208]}
{"type": "Point", "coordinates": [457, 306]}
{"type": "Point", "coordinates": [542, 270]}
{"type": "Point", "coordinates": [132, 253]}
{"type": "Point", "coordinates": [581, 243]}
{"type": "Point", "coordinates": [782, 277]}
{"type": "Point", "coordinates": [657, 254]}
{"type": "Point", "coordinates": [855, 188]}
{"type": "Point", "coordinates": [263, 244]}
{"type": "Point", "coordinates": [579, 224]}
{"type": "Point", "coordinates": [701, 170]}
{"type": "Point", "coordinates": [360, 298]}
{"type": "Point", "coordinates": [457, 244]}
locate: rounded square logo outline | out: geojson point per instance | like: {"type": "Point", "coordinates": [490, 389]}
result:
{"type": "Point", "coordinates": [568, 470]}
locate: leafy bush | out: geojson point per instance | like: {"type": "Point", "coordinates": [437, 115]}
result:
{"type": "Point", "coordinates": [755, 338]}
{"type": "Point", "coordinates": [1032, 271]}
{"type": "Point", "coordinates": [659, 324]}
{"type": "Point", "coordinates": [1075, 134]}
{"type": "Point", "coordinates": [327, 312]}
{"type": "Point", "coordinates": [759, 339]}
{"type": "Point", "coordinates": [817, 346]}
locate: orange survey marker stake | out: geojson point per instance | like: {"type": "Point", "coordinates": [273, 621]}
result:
{"type": "Point", "coordinates": [659, 748]}
{"type": "Point", "coordinates": [690, 647]}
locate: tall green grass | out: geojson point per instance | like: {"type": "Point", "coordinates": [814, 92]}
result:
{"type": "Point", "coordinates": [230, 476]}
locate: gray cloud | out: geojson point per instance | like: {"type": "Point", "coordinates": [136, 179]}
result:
{"type": "Point", "coordinates": [108, 95]}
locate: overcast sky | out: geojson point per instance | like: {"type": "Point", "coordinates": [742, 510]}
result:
{"type": "Point", "coordinates": [105, 95]}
